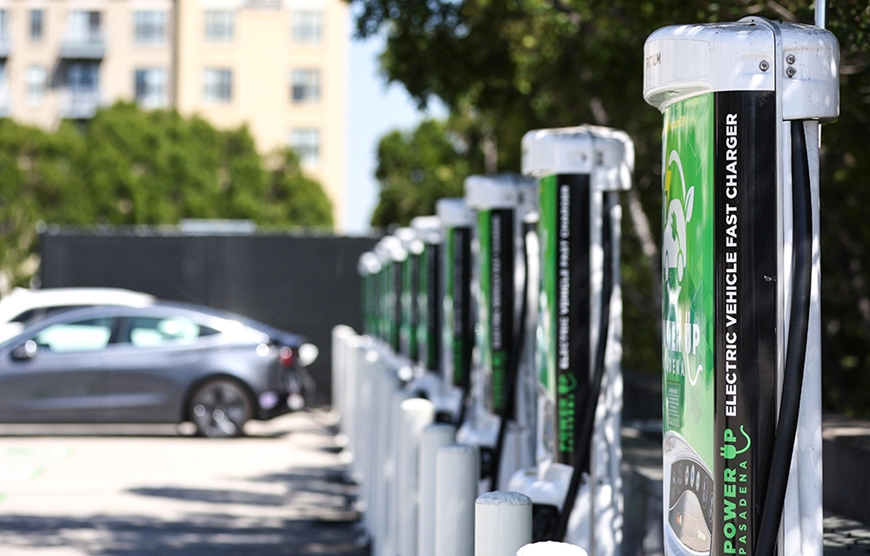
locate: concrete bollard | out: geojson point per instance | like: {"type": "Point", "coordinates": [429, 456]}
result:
{"type": "Point", "coordinates": [457, 473]}
{"type": "Point", "coordinates": [417, 413]}
{"type": "Point", "coordinates": [385, 404]}
{"type": "Point", "coordinates": [550, 548]}
{"type": "Point", "coordinates": [502, 523]}
{"type": "Point", "coordinates": [341, 337]}
{"type": "Point", "coordinates": [390, 531]}
{"type": "Point", "coordinates": [433, 438]}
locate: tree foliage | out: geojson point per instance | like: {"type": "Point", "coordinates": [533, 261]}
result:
{"type": "Point", "coordinates": [415, 169]}
{"type": "Point", "coordinates": [130, 167]}
{"type": "Point", "coordinates": [515, 65]}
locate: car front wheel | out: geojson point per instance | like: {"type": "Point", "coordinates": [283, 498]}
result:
{"type": "Point", "coordinates": [219, 408]}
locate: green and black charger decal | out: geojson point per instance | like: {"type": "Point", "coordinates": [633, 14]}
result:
{"type": "Point", "coordinates": [410, 308]}
{"type": "Point", "coordinates": [720, 320]}
{"type": "Point", "coordinates": [428, 314]}
{"type": "Point", "coordinates": [565, 237]}
{"type": "Point", "coordinates": [458, 295]}
{"type": "Point", "coordinates": [497, 254]}
{"type": "Point", "coordinates": [746, 317]}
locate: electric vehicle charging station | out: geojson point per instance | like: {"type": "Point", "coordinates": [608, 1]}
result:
{"type": "Point", "coordinates": [429, 318]}
{"type": "Point", "coordinates": [501, 413]}
{"type": "Point", "coordinates": [369, 268]}
{"type": "Point", "coordinates": [741, 359]}
{"type": "Point", "coordinates": [422, 295]}
{"type": "Point", "coordinates": [457, 308]}
{"type": "Point", "coordinates": [390, 253]}
{"type": "Point", "coordinates": [576, 484]}
{"type": "Point", "coordinates": [409, 268]}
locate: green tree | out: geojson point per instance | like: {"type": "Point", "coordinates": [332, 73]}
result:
{"type": "Point", "coordinates": [158, 167]}
{"type": "Point", "coordinates": [131, 167]}
{"type": "Point", "coordinates": [516, 65]}
{"type": "Point", "coordinates": [37, 178]}
{"type": "Point", "coordinates": [417, 168]}
{"type": "Point", "coordinates": [844, 225]}
{"type": "Point", "coordinates": [291, 195]}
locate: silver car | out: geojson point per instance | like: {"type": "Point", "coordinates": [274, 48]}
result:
{"type": "Point", "coordinates": [164, 363]}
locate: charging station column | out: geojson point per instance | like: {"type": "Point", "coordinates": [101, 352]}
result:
{"type": "Point", "coordinates": [502, 202]}
{"type": "Point", "coordinates": [456, 302]}
{"type": "Point", "coordinates": [410, 281]}
{"type": "Point", "coordinates": [429, 318]}
{"type": "Point", "coordinates": [368, 268]}
{"type": "Point", "coordinates": [577, 484]}
{"type": "Point", "coordinates": [741, 350]}
{"type": "Point", "coordinates": [391, 254]}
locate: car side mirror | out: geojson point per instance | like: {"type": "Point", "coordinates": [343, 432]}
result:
{"type": "Point", "coordinates": [25, 351]}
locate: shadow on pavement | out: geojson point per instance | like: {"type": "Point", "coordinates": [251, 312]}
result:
{"type": "Point", "coordinates": [322, 492]}
{"type": "Point", "coordinates": [213, 496]}
{"type": "Point", "coordinates": [194, 535]}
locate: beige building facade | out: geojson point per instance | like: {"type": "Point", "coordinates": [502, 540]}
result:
{"type": "Point", "coordinates": [278, 66]}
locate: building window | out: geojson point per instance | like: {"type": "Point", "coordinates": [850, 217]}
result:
{"type": "Point", "coordinates": [149, 27]}
{"type": "Point", "coordinates": [4, 27]}
{"type": "Point", "coordinates": [83, 77]}
{"type": "Point", "coordinates": [84, 26]}
{"type": "Point", "coordinates": [37, 25]}
{"type": "Point", "coordinates": [307, 27]}
{"type": "Point", "coordinates": [36, 81]}
{"type": "Point", "coordinates": [219, 26]}
{"type": "Point", "coordinates": [306, 144]}
{"type": "Point", "coordinates": [151, 87]}
{"type": "Point", "coordinates": [218, 85]}
{"type": "Point", "coordinates": [305, 85]}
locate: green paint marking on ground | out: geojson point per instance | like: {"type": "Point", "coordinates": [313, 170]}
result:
{"type": "Point", "coordinates": [52, 453]}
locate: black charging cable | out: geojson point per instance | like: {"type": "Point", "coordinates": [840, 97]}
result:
{"type": "Point", "coordinates": [582, 447]}
{"type": "Point", "coordinates": [465, 356]}
{"type": "Point", "coordinates": [798, 330]}
{"type": "Point", "coordinates": [514, 368]}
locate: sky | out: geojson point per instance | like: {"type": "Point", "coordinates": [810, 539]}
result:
{"type": "Point", "coordinates": [374, 109]}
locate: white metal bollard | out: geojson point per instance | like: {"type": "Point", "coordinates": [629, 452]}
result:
{"type": "Point", "coordinates": [502, 523]}
{"type": "Point", "coordinates": [417, 413]}
{"type": "Point", "coordinates": [365, 420]}
{"type": "Point", "coordinates": [341, 335]}
{"type": "Point", "coordinates": [551, 548]}
{"type": "Point", "coordinates": [433, 438]}
{"type": "Point", "coordinates": [391, 469]}
{"type": "Point", "coordinates": [457, 474]}
{"type": "Point", "coordinates": [382, 469]}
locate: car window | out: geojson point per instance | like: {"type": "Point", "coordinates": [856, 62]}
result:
{"type": "Point", "coordinates": [156, 331]}
{"type": "Point", "coordinates": [26, 316]}
{"type": "Point", "coordinates": [84, 335]}
{"type": "Point", "coordinates": [32, 315]}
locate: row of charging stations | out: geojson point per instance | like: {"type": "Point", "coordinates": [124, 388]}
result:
{"type": "Point", "coordinates": [503, 312]}
{"type": "Point", "coordinates": [513, 290]}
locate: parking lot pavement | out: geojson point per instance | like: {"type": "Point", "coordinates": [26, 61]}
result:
{"type": "Point", "coordinates": [72, 491]}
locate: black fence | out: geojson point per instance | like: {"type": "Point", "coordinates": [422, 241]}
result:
{"type": "Point", "coordinates": [303, 284]}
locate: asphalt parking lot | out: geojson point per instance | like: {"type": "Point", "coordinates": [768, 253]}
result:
{"type": "Point", "coordinates": [72, 491]}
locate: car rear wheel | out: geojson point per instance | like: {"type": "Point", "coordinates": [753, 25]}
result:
{"type": "Point", "coordinates": [219, 408]}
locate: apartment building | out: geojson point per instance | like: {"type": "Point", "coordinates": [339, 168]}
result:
{"type": "Point", "coordinates": [278, 66]}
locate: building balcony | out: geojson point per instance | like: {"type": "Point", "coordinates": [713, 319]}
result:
{"type": "Point", "coordinates": [78, 104]}
{"type": "Point", "coordinates": [83, 47]}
